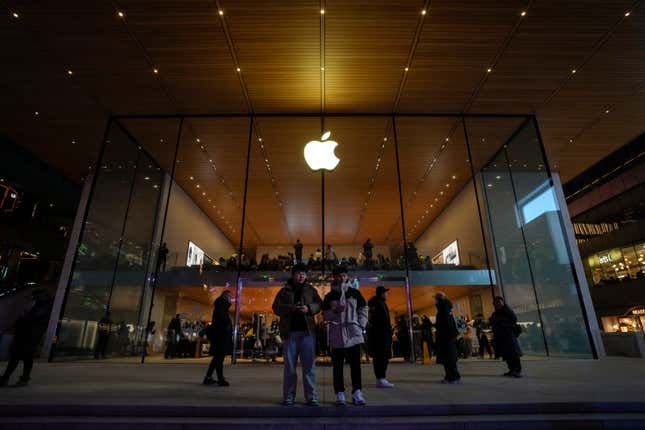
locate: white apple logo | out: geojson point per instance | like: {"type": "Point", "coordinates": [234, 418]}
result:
{"type": "Point", "coordinates": [319, 154]}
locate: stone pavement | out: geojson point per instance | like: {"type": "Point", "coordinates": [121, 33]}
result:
{"type": "Point", "coordinates": [174, 389]}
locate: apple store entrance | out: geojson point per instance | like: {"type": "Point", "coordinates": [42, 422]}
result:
{"type": "Point", "coordinates": [182, 208]}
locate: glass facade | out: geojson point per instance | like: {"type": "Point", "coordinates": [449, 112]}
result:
{"type": "Point", "coordinates": [183, 208]}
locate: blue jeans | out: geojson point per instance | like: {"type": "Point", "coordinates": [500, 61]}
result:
{"type": "Point", "coordinates": [299, 344]}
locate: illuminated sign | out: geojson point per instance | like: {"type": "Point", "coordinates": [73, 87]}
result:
{"type": "Point", "coordinates": [195, 255]}
{"type": "Point", "coordinates": [640, 311]}
{"type": "Point", "coordinates": [604, 259]}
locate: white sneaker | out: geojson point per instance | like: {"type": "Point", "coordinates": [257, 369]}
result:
{"type": "Point", "coordinates": [340, 398]}
{"type": "Point", "coordinates": [384, 383]}
{"type": "Point", "coordinates": [357, 398]}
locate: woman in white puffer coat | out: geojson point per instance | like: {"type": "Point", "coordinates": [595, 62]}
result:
{"type": "Point", "coordinates": [346, 311]}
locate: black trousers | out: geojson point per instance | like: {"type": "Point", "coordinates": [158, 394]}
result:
{"type": "Point", "coordinates": [380, 361]}
{"type": "Point", "coordinates": [449, 361]}
{"type": "Point", "coordinates": [514, 364]}
{"type": "Point", "coordinates": [216, 364]}
{"type": "Point", "coordinates": [28, 364]}
{"type": "Point", "coordinates": [101, 345]}
{"type": "Point", "coordinates": [353, 357]}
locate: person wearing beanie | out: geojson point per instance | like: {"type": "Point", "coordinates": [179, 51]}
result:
{"type": "Point", "coordinates": [446, 339]}
{"type": "Point", "coordinates": [380, 336]}
{"type": "Point", "coordinates": [296, 304]}
{"type": "Point", "coordinates": [346, 311]}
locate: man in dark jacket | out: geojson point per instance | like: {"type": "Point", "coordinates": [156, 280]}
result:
{"type": "Point", "coordinates": [103, 336]}
{"type": "Point", "coordinates": [505, 332]}
{"type": "Point", "coordinates": [296, 304]}
{"type": "Point", "coordinates": [297, 249]}
{"type": "Point", "coordinates": [220, 336]}
{"type": "Point", "coordinates": [367, 252]}
{"type": "Point", "coordinates": [174, 336]}
{"type": "Point", "coordinates": [28, 330]}
{"type": "Point", "coordinates": [380, 336]}
{"type": "Point", "coordinates": [446, 339]}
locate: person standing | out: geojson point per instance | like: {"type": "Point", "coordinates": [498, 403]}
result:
{"type": "Point", "coordinates": [220, 336]}
{"type": "Point", "coordinates": [426, 334]}
{"type": "Point", "coordinates": [367, 252]}
{"type": "Point", "coordinates": [163, 256]}
{"type": "Point", "coordinates": [505, 332]}
{"type": "Point", "coordinates": [446, 339]}
{"type": "Point", "coordinates": [346, 310]}
{"type": "Point", "coordinates": [484, 345]}
{"type": "Point", "coordinates": [297, 248]}
{"type": "Point", "coordinates": [104, 333]}
{"type": "Point", "coordinates": [174, 336]}
{"type": "Point", "coordinates": [296, 304]}
{"type": "Point", "coordinates": [330, 257]}
{"type": "Point", "coordinates": [28, 330]}
{"type": "Point", "coordinates": [380, 336]}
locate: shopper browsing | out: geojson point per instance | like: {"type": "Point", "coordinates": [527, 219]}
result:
{"type": "Point", "coordinates": [380, 336]}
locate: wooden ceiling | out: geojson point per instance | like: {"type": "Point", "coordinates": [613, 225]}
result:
{"type": "Point", "coordinates": [351, 59]}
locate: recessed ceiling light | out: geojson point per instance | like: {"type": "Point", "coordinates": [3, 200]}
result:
{"type": "Point", "coordinates": [147, 178]}
{"type": "Point", "coordinates": [523, 13]}
{"type": "Point", "coordinates": [570, 140]}
{"type": "Point", "coordinates": [221, 12]}
{"type": "Point", "coordinates": [238, 69]}
{"type": "Point", "coordinates": [260, 139]}
{"type": "Point", "coordinates": [197, 186]}
{"type": "Point", "coordinates": [197, 140]}
{"type": "Point", "coordinates": [36, 113]}
{"type": "Point", "coordinates": [73, 142]}
{"type": "Point", "coordinates": [498, 177]}
{"type": "Point", "coordinates": [454, 176]}
{"type": "Point", "coordinates": [423, 12]}
{"type": "Point", "coordinates": [606, 110]}
{"type": "Point", "coordinates": [69, 72]}
{"type": "Point", "coordinates": [203, 193]}
{"type": "Point", "coordinates": [322, 11]}
{"type": "Point", "coordinates": [385, 139]}
{"type": "Point", "coordinates": [155, 71]}
{"type": "Point", "coordinates": [489, 70]}
{"type": "Point", "coordinates": [447, 185]}
{"type": "Point", "coordinates": [121, 14]}
{"type": "Point", "coordinates": [210, 161]}
{"type": "Point", "coordinates": [406, 69]}
{"type": "Point", "coordinates": [490, 185]}
{"type": "Point", "coordinates": [573, 71]}
{"type": "Point", "coordinates": [15, 15]}
{"type": "Point", "coordinates": [192, 177]}
{"type": "Point", "coordinates": [626, 13]}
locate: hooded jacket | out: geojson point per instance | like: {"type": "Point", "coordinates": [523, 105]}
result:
{"type": "Point", "coordinates": [285, 300]}
{"type": "Point", "coordinates": [221, 332]}
{"type": "Point", "coordinates": [346, 327]}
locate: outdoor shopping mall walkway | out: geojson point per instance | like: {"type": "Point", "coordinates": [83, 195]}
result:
{"type": "Point", "coordinates": [172, 393]}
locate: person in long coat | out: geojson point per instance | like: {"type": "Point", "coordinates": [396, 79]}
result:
{"type": "Point", "coordinates": [505, 332]}
{"type": "Point", "coordinates": [220, 335]}
{"type": "Point", "coordinates": [28, 331]}
{"type": "Point", "coordinates": [379, 336]}
{"type": "Point", "coordinates": [446, 339]}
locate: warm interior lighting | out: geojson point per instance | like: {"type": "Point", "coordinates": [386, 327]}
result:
{"type": "Point", "coordinates": [406, 69]}
{"type": "Point", "coordinates": [628, 13]}
{"type": "Point", "coordinates": [221, 12]}
{"type": "Point", "coordinates": [489, 70]}
{"type": "Point", "coordinates": [121, 14]}
{"type": "Point", "coordinates": [319, 154]}
{"type": "Point", "coordinates": [36, 113]}
{"type": "Point", "coordinates": [69, 72]}
{"type": "Point", "coordinates": [15, 15]}
{"type": "Point", "coordinates": [523, 13]}
{"type": "Point", "coordinates": [155, 71]}
{"type": "Point", "coordinates": [238, 69]}
{"type": "Point", "coordinates": [322, 11]}
{"type": "Point", "coordinates": [423, 12]}
{"type": "Point", "coordinates": [192, 178]}
{"type": "Point", "coordinates": [573, 71]}
{"type": "Point", "coordinates": [606, 110]}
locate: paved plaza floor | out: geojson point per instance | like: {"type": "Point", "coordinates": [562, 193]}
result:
{"type": "Point", "coordinates": [178, 383]}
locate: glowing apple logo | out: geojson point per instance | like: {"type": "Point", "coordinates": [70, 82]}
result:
{"type": "Point", "coordinates": [319, 154]}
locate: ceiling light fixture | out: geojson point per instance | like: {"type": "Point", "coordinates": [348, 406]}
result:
{"type": "Point", "coordinates": [573, 71]}
{"type": "Point", "coordinates": [36, 113]}
{"type": "Point", "coordinates": [15, 15]}
{"type": "Point", "coordinates": [192, 178]}
{"type": "Point", "coordinates": [406, 69]}
{"type": "Point", "coordinates": [69, 72]}
{"type": "Point", "coordinates": [454, 176]}
{"type": "Point", "coordinates": [489, 70]}
{"type": "Point", "coordinates": [238, 69]}
{"type": "Point", "coordinates": [121, 14]}
{"type": "Point", "coordinates": [523, 13]}
{"type": "Point", "coordinates": [423, 12]}
{"type": "Point", "coordinates": [606, 110]}
{"type": "Point", "coordinates": [155, 71]}
{"type": "Point", "coordinates": [221, 12]}
{"type": "Point", "coordinates": [322, 11]}
{"type": "Point", "coordinates": [628, 13]}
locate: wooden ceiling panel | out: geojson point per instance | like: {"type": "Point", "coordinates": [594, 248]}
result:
{"type": "Point", "coordinates": [366, 49]}
{"type": "Point", "coordinates": [553, 39]}
{"type": "Point", "coordinates": [278, 47]}
{"type": "Point", "coordinates": [458, 42]}
{"type": "Point", "coordinates": [185, 41]}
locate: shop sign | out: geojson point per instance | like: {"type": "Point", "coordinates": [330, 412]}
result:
{"type": "Point", "coordinates": [604, 259]}
{"type": "Point", "coordinates": [639, 311]}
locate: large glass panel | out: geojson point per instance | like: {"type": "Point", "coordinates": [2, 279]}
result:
{"type": "Point", "coordinates": [103, 314]}
{"type": "Point", "coordinates": [538, 215]}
